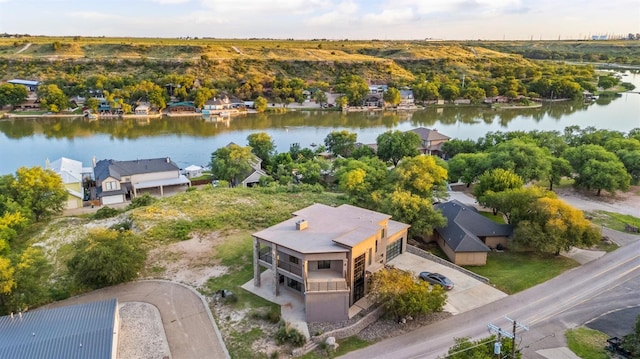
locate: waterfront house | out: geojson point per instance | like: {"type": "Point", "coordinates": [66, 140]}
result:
{"type": "Point", "coordinates": [31, 85]}
{"type": "Point", "coordinates": [184, 106]}
{"type": "Point", "coordinates": [468, 236]}
{"type": "Point", "coordinates": [325, 255]}
{"type": "Point", "coordinates": [431, 141]}
{"type": "Point", "coordinates": [72, 174]}
{"type": "Point", "coordinates": [142, 109]}
{"type": "Point", "coordinates": [193, 171]}
{"type": "Point", "coordinates": [117, 181]}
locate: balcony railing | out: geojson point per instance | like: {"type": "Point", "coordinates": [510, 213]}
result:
{"type": "Point", "coordinates": [265, 255]}
{"type": "Point", "coordinates": [291, 268]}
{"type": "Point", "coordinates": [326, 286]}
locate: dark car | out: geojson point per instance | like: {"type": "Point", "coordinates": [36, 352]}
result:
{"type": "Point", "coordinates": [437, 278]}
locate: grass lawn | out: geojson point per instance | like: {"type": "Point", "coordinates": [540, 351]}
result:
{"type": "Point", "coordinates": [345, 346]}
{"type": "Point", "coordinates": [499, 218]}
{"type": "Point", "coordinates": [587, 343]}
{"type": "Point", "coordinates": [613, 220]}
{"type": "Point", "coordinates": [513, 272]}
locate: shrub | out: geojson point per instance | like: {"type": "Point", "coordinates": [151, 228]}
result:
{"type": "Point", "coordinates": [287, 334]}
{"type": "Point", "coordinates": [105, 212]}
{"type": "Point", "coordinates": [142, 201]}
{"type": "Point", "coordinates": [271, 316]}
{"type": "Point", "coordinates": [125, 225]}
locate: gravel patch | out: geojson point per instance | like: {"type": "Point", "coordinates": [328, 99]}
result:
{"type": "Point", "coordinates": [141, 334]}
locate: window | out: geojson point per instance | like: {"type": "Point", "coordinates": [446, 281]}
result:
{"type": "Point", "coordinates": [376, 246]}
{"type": "Point", "coordinates": [111, 185]}
{"type": "Point", "coordinates": [324, 264]}
{"type": "Point", "coordinates": [294, 284]}
{"type": "Point", "coordinates": [293, 259]}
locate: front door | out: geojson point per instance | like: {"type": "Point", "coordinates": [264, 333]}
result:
{"type": "Point", "coordinates": [358, 278]}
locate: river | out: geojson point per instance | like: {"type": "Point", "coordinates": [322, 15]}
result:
{"type": "Point", "coordinates": [191, 140]}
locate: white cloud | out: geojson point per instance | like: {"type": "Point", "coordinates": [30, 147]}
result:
{"type": "Point", "coordinates": [390, 16]}
{"type": "Point", "coordinates": [342, 14]}
{"type": "Point", "coordinates": [248, 8]}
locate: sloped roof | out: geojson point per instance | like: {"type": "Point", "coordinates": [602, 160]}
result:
{"type": "Point", "coordinates": [72, 332]}
{"type": "Point", "coordinates": [429, 135]}
{"type": "Point", "coordinates": [465, 225]}
{"type": "Point", "coordinates": [70, 170]}
{"type": "Point", "coordinates": [23, 82]}
{"type": "Point", "coordinates": [119, 169]}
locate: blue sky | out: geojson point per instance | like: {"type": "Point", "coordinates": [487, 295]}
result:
{"type": "Point", "coordinates": [330, 19]}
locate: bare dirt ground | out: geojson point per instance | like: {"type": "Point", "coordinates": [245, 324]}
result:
{"type": "Point", "coordinates": [189, 262]}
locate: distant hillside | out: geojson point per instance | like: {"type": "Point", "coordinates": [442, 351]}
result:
{"type": "Point", "coordinates": [227, 63]}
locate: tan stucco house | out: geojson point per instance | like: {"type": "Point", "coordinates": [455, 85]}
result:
{"type": "Point", "coordinates": [469, 236]}
{"type": "Point", "coordinates": [117, 181]}
{"type": "Point", "coordinates": [431, 141]}
{"type": "Point", "coordinates": [325, 254]}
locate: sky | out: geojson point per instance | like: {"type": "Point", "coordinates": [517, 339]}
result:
{"type": "Point", "coordinates": [324, 19]}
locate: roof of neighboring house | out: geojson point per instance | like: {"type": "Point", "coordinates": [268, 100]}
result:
{"type": "Point", "coordinates": [429, 135]}
{"type": "Point", "coordinates": [193, 168]}
{"type": "Point", "coordinates": [70, 170]}
{"type": "Point", "coordinates": [24, 82]}
{"type": "Point", "coordinates": [183, 103]}
{"type": "Point", "coordinates": [119, 169]}
{"type": "Point", "coordinates": [72, 332]}
{"type": "Point", "coordinates": [465, 225]}
{"type": "Point", "coordinates": [329, 229]}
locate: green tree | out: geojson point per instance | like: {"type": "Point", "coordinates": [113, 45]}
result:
{"type": "Point", "coordinates": [496, 180]}
{"type": "Point", "coordinates": [598, 169]}
{"type": "Point", "coordinates": [92, 103]}
{"type": "Point", "coordinates": [260, 104]}
{"type": "Point", "coordinates": [464, 348]}
{"type": "Point", "coordinates": [262, 146]}
{"type": "Point", "coordinates": [13, 95]}
{"type": "Point", "coordinates": [39, 192]}
{"type": "Point", "coordinates": [401, 295]}
{"type": "Point", "coordinates": [455, 146]}
{"type": "Point", "coordinates": [392, 96]}
{"type": "Point", "coordinates": [450, 92]}
{"type": "Point", "coordinates": [52, 98]}
{"type": "Point", "coordinates": [551, 225]}
{"type": "Point", "coordinates": [560, 168]}
{"type": "Point", "coordinates": [228, 163]}
{"type": "Point", "coordinates": [467, 167]}
{"type": "Point", "coordinates": [395, 145]}
{"type": "Point", "coordinates": [106, 257]}
{"type": "Point", "coordinates": [201, 95]}
{"type": "Point", "coordinates": [354, 87]}
{"type": "Point", "coordinates": [421, 175]}
{"type": "Point", "coordinates": [32, 278]}
{"type": "Point", "coordinates": [341, 143]}
{"type": "Point", "coordinates": [631, 161]}
{"type": "Point", "coordinates": [407, 207]}
{"type": "Point", "coordinates": [514, 203]}
{"type": "Point", "coordinates": [360, 178]}
{"type": "Point", "coordinates": [320, 97]}
{"type": "Point", "coordinates": [525, 159]}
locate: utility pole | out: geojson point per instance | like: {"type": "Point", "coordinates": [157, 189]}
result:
{"type": "Point", "coordinates": [516, 325]}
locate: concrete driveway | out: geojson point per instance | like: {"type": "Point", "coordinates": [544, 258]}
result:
{"type": "Point", "coordinates": [190, 328]}
{"type": "Point", "coordinates": [468, 293]}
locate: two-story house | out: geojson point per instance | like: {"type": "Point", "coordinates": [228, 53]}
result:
{"type": "Point", "coordinates": [431, 141]}
{"type": "Point", "coordinates": [72, 174]}
{"type": "Point", "coordinates": [117, 181]}
{"type": "Point", "coordinates": [325, 254]}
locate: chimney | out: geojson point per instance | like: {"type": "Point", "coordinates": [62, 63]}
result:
{"type": "Point", "coordinates": [168, 160]}
{"type": "Point", "coordinates": [302, 224]}
{"type": "Point", "coordinates": [93, 161]}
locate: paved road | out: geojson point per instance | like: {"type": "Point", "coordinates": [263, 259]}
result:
{"type": "Point", "coordinates": [548, 309]}
{"type": "Point", "coordinates": [189, 326]}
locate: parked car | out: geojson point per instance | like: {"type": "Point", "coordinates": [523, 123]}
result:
{"type": "Point", "coordinates": [437, 278]}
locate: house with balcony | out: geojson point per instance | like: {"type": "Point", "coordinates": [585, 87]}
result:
{"type": "Point", "coordinates": [119, 181]}
{"type": "Point", "coordinates": [326, 254]}
{"type": "Point", "coordinates": [431, 141]}
{"type": "Point", "coordinates": [72, 173]}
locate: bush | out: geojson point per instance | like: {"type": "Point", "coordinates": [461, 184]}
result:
{"type": "Point", "coordinates": [105, 212]}
{"type": "Point", "coordinates": [142, 201]}
{"type": "Point", "coordinates": [288, 334]}
{"type": "Point", "coordinates": [125, 225]}
{"type": "Point", "coordinates": [271, 316]}
{"type": "Point", "coordinates": [192, 189]}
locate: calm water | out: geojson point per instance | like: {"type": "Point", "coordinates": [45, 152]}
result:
{"type": "Point", "coordinates": [29, 142]}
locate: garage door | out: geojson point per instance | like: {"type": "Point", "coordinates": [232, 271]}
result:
{"type": "Point", "coordinates": [394, 249]}
{"type": "Point", "coordinates": [112, 199]}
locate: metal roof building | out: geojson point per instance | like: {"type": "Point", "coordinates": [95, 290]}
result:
{"type": "Point", "coordinates": [74, 332]}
